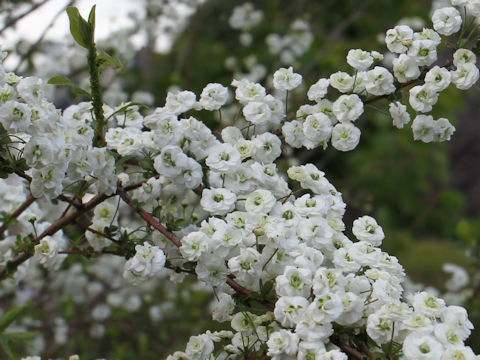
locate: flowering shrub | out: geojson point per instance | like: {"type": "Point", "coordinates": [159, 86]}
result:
{"type": "Point", "coordinates": [159, 194]}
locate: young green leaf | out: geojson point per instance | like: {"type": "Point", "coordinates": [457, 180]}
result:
{"type": "Point", "coordinates": [63, 80]}
{"type": "Point", "coordinates": [81, 30]}
{"type": "Point", "coordinates": [91, 20]}
{"type": "Point", "coordinates": [104, 60]}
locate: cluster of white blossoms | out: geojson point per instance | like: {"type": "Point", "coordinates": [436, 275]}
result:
{"type": "Point", "coordinates": [296, 42]}
{"type": "Point", "coordinates": [327, 120]}
{"type": "Point", "coordinates": [227, 212]}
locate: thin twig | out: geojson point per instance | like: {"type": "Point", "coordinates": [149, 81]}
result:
{"type": "Point", "coordinates": [52, 229]}
{"type": "Point", "coordinates": [177, 242]}
{"type": "Point", "coordinates": [14, 20]}
{"type": "Point", "coordinates": [42, 36]}
{"type": "Point", "coordinates": [17, 213]}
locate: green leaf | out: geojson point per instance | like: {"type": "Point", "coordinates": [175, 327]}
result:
{"type": "Point", "coordinates": [20, 336]}
{"type": "Point", "coordinates": [124, 109]}
{"type": "Point", "coordinates": [10, 316]}
{"type": "Point", "coordinates": [105, 60]}
{"type": "Point", "coordinates": [81, 30]}
{"type": "Point", "coordinates": [6, 346]}
{"type": "Point", "coordinates": [91, 20]}
{"type": "Point", "coordinates": [63, 80]}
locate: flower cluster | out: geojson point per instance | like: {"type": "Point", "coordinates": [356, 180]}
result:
{"type": "Point", "coordinates": [219, 206]}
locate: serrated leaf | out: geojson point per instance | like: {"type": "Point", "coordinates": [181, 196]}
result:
{"type": "Point", "coordinates": [10, 316]}
{"type": "Point", "coordinates": [79, 28]}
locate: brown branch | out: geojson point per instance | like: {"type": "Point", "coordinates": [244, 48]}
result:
{"type": "Point", "coordinates": [149, 218]}
{"type": "Point", "coordinates": [350, 351]}
{"type": "Point", "coordinates": [17, 213]}
{"type": "Point", "coordinates": [99, 233]}
{"type": "Point", "coordinates": [52, 229]}
{"type": "Point", "coordinates": [177, 242]}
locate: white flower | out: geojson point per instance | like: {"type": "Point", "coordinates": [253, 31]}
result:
{"type": "Point", "coordinates": [257, 112]}
{"type": "Point", "coordinates": [438, 78]}
{"type": "Point", "coordinates": [458, 317]}
{"type": "Point", "coordinates": [423, 128]}
{"type": "Point", "coordinates": [442, 129]}
{"type": "Point", "coordinates": [46, 250]}
{"type": "Point", "coordinates": [418, 346]}
{"type": "Point", "coordinates": [40, 151]}
{"type": "Point", "coordinates": [317, 127]}
{"type": "Point", "coordinates": [427, 304]}
{"type": "Point", "coordinates": [333, 355]}
{"type": "Point", "coordinates": [15, 117]}
{"type": "Point", "coordinates": [345, 136]}
{"type": "Point", "coordinates": [473, 7]}
{"type": "Point", "coordinates": [422, 98]}
{"type": "Point", "coordinates": [246, 148]}
{"type": "Point", "coordinates": [447, 20]}
{"type": "Point", "coordinates": [294, 282]}
{"type": "Point", "coordinates": [448, 334]}
{"type": "Point", "coordinates": [459, 277]}
{"type": "Point", "coordinates": [366, 228]}
{"type": "Point", "coordinates": [326, 308]}
{"type": "Point", "coordinates": [379, 81]}
{"type": "Point", "coordinates": [286, 79]}
{"type": "Point", "coordinates": [359, 59]}
{"type": "Point", "coordinates": [223, 158]}
{"type": "Point", "coordinates": [289, 310]}
{"type": "Point", "coordinates": [341, 81]}
{"type": "Point", "coordinates": [246, 266]}
{"type": "Point", "coordinates": [222, 307]}
{"type": "Point", "coordinates": [405, 68]}
{"type": "Point", "coordinates": [148, 261]}
{"type": "Point", "coordinates": [428, 34]}
{"type": "Point", "coordinates": [231, 135]}
{"type": "Point", "coordinates": [259, 202]}
{"type": "Point", "coordinates": [423, 51]}
{"type": "Point", "coordinates": [213, 96]}
{"type": "Point", "coordinates": [380, 328]}
{"type": "Point", "coordinates": [171, 161]}
{"type": "Point", "coordinates": [218, 201]}
{"type": "Point", "coordinates": [348, 108]}
{"type": "Point", "coordinates": [245, 17]}
{"type": "Point", "coordinates": [399, 38]}
{"type": "Point", "coordinates": [464, 56]}
{"type": "Point", "coordinates": [194, 245]}
{"type": "Point", "coordinates": [282, 342]}
{"type": "Point", "coordinates": [212, 270]}
{"type": "Point", "coordinates": [459, 352]}
{"type": "Point", "coordinates": [248, 91]}
{"type": "Point", "coordinates": [267, 147]}
{"type": "Point", "coordinates": [293, 133]}
{"type": "Point", "coordinates": [318, 90]}
{"type": "Point", "coordinates": [465, 76]}
{"type": "Point", "coordinates": [399, 114]}
{"type": "Point", "coordinates": [199, 347]}
{"type": "Point", "coordinates": [180, 102]}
